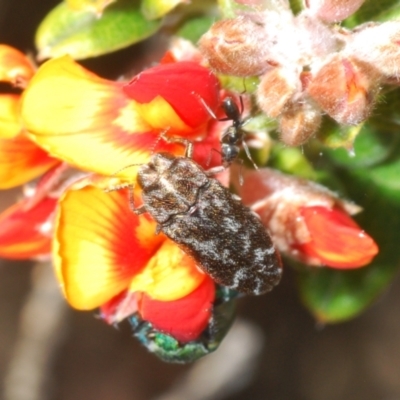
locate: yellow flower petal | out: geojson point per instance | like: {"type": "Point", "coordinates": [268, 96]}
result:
{"type": "Point", "coordinates": [170, 275]}
{"type": "Point", "coordinates": [100, 244]}
{"type": "Point", "coordinates": [20, 159]}
{"type": "Point", "coordinates": [161, 116]}
{"type": "Point", "coordinates": [85, 120]}
{"type": "Point", "coordinates": [10, 125]}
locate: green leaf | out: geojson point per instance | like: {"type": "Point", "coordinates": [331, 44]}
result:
{"type": "Point", "coordinates": [379, 138]}
{"type": "Point", "coordinates": [82, 35]}
{"type": "Point", "coordinates": [231, 8]}
{"type": "Point", "coordinates": [194, 28]}
{"type": "Point", "coordinates": [154, 9]}
{"type": "Point", "coordinates": [370, 148]}
{"type": "Point", "coordinates": [291, 160]}
{"type": "Point", "coordinates": [372, 10]}
{"type": "Point", "coordinates": [333, 295]}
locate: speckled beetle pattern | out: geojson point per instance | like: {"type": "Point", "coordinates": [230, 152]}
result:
{"type": "Point", "coordinates": [225, 238]}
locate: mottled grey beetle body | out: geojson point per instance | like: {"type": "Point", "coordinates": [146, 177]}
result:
{"type": "Point", "coordinates": [202, 217]}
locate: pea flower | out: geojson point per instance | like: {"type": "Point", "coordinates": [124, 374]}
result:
{"type": "Point", "coordinates": [24, 229]}
{"type": "Point", "coordinates": [21, 159]}
{"type": "Point", "coordinates": [107, 125]}
{"type": "Point", "coordinates": [307, 221]}
{"type": "Point", "coordinates": [104, 251]}
{"type": "Point", "coordinates": [105, 256]}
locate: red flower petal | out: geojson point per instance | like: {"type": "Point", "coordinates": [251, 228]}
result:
{"type": "Point", "coordinates": [181, 84]}
{"type": "Point", "coordinates": [184, 319]}
{"type": "Point", "coordinates": [337, 241]}
{"type": "Point", "coordinates": [21, 234]}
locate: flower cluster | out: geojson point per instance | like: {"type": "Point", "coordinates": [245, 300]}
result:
{"type": "Point", "coordinates": [80, 132]}
{"type": "Point", "coordinates": [104, 255]}
{"type": "Point", "coordinates": [308, 65]}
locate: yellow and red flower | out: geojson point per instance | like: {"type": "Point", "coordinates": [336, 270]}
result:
{"type": "Point", "coordinates": [104, 255]}
{"type": "Point", "coordinates": [102, 126]}
{"type": "Point", "coordinates": [24, 229]}
{"type": "Point", "coordinates": [21, 159]}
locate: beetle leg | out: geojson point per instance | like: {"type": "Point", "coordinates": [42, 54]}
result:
{"type": "Point", "coordinates": [187, 143]}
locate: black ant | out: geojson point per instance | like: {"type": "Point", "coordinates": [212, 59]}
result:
{"type": "Point", "coordinates": [233, 136]}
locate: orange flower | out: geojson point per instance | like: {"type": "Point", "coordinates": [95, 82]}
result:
{"type": "Point", "coordinates": [103, 126]}
{"type": "Point", "coordinates": [307, 221]}
{"type": "Point", "coordinates": [24, 229]}
{"type": "Point", "coordinates": [105, 255]}
{"type": "Point", "coordinates": [21, 160]}
{"type": "Point", "coordinates": [335, 239]}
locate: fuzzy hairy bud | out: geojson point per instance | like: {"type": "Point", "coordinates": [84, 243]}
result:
{"type": "Point", "coordinates": [299, 123]}
{"type": "Point", "coordinates": [345, 88]}
{"type": "Point", "coordinates": [276, 89]}
{"type": "Point", "coordinates": [333, 10]}
{"type": "Point", "coordinates": [236, 47]}
{"type": "Point", "coordinates": [379, 45]}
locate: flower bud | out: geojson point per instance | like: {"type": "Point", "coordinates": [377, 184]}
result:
{"type": "Point", "coordinates": [333, 10]}
{"type": "Point", "coordinates": [275, 90]}
{"type": "Point", "coordinates": [15, 67]}
{"type": "Point", "coordinates": [378, 44]}
{"type": "Point", "coordinates": [345, 88]}
{"type": "Point", "coordinates": [299, 123]}
{"type": "Point", "coordinates": [307, 221]}
{"type": "Point", "coordinates": [336, 240]}
{"type": "Point", "coordinates": [236, 47]}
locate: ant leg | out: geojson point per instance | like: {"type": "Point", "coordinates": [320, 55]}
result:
{"type": "Point", "coordinates": [216, 170]}
{"type": "Point", "coordinates": [241, 105]}
{"type": "Point", "coordinates": [206, 106]}
{"type": "Point", "coordinates": [240, 171]}
{"type": "Point", "coordinates": [209, 156]}
{"type": "Point", "coordinates": [247, 151]}
{"type": "Point", "coordinates": [186, 142]}
{"type": "Point", "coordinates": [211, 112]}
